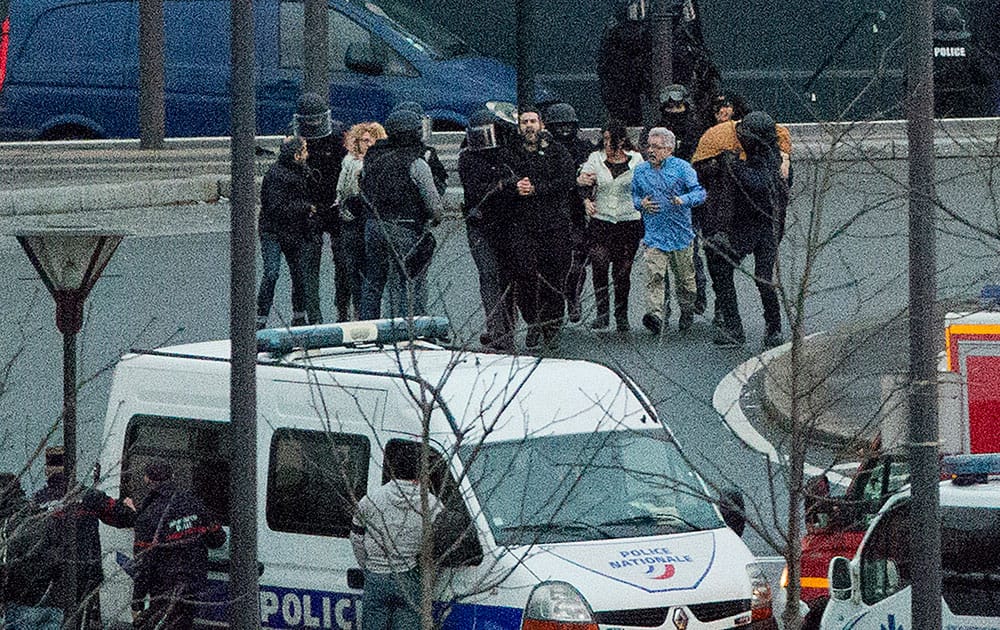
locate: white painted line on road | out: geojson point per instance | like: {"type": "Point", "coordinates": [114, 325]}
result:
{"type": "Point", "coordinates": [726, 401]}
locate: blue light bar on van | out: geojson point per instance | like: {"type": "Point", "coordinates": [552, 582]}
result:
{"type": "Point", "coordinates": [378, 331]}
{"type": "Point", "coordinates": [969, 469]}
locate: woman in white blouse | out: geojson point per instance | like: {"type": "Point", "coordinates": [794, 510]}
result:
{"type": "Point", "coordinates": [615, 227]}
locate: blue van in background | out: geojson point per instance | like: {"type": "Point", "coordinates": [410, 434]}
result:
{"type": "Point", "coordinates": [73, 67]}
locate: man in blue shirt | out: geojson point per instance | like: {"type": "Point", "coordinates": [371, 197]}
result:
{"type": "Point", "coordinates": [664, 189]}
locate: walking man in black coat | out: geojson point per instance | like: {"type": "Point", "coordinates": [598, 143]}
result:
{"type": "Point", "coordinates": [541, 231]}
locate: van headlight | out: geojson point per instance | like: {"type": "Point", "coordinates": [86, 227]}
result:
{"type": "Point", "coordinates": [557, 606]}
{"type": "Point", "coordinates": [760, 593]}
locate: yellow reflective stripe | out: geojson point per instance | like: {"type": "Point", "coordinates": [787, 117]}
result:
{"type": "Point", "coordinates": [815, 582]}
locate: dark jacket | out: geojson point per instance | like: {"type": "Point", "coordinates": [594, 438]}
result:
{"type": "Point", "coordinates": [551, 170]}
{"type": "Point", "coordinates": [173, 533]}
{"type": "Point", "coordinates": [579, 150]}
{"type": "Point", "coordinates": [686, 130]}
{"type": "Point", "coordinates": [484, 175]}
{"type": "Point", "coordinates": [322, 172]}
{"type": "Point", "coordinates": [31, 548]}
{"type": "Point", "coordinates": [746, 200]}
{"type": "Point", "coordinates": [285, 205]}
{"type": "Point", "coordinates": [386, 184]}
{"type": "Point", "coordinates": [624, 58]}
{"type": "Point", "coordinates": [50, 499]}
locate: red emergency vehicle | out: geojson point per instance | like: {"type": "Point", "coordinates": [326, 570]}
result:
{"type": "Point", "coordinates": [969, 423]}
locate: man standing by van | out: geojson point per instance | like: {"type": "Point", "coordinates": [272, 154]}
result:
{"type": "Point", "coordinates": [387, 533]}
{"type": "Point", "coordinates": [173, 533]}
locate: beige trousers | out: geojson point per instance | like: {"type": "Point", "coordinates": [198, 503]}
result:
{"type": "Point", "coordinates": [681, 264]}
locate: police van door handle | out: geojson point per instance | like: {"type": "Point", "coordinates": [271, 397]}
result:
{"type": "Point", "coordinates": [355, 578]}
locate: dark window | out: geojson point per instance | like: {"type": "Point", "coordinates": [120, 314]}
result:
{"type": "Point", "coordinates": [343, 32]}
{"type": "Point", "coordinates": [198, 451]}
{"type": "Point", "coordinates": [456, 538]}
{"type": "Point", "coordinates": [314, 481]}
{"type": "Point", "coordinates": [885, 561]}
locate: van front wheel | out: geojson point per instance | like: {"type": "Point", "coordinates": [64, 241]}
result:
{"type": "Point", "coordinates": [69, 132]}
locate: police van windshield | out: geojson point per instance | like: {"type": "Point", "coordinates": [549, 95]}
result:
{"type": "Point", "coordinates": [970, 560]}
{"type": "Point", "coordinates": [602, 485]}
{"type": "Point", "coordinates": [419, 29]}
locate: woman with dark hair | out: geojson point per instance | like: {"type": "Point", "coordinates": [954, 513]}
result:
{"type": "Point", "coordinates": [615, 227]}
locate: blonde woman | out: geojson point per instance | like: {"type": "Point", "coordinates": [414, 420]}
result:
{"type": "Point", "coordinates": [349, 246]}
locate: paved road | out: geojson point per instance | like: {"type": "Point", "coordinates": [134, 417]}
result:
{"type": "Point", "coordinates": [169, 283]}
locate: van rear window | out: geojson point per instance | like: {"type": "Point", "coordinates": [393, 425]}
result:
{"type": "Point", "coordinates": [198, 451]}
{"type": "Point", "coordinates": [314, 481]}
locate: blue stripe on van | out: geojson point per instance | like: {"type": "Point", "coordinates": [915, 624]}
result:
{"type": "Point", "coordinates": [303, 608]}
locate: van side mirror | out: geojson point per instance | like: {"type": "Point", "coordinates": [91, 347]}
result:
{"type": "Point", "coordinates": [841, 583]}
{"type": "Point", "coordinates": [733, 509]}
{"type": "Point", "coordinates": [360, 57]}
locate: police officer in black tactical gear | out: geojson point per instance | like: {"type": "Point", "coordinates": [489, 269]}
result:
{"type": "Point", "coordinates": [563, 124]}
{"type": "Point", "coordinates": [325, 139]}
{"type": "Point", "coordinates": [398, 189]}
{"type": "Point", "coordinates": [429, 153]}
{"type": "Point", "coordinates": [751, 222]}
{"type": "Point", "coordinates": [484, 175]}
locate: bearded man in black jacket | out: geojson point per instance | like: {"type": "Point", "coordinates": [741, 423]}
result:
{"type": "Point", "coordinates": [541, 230]}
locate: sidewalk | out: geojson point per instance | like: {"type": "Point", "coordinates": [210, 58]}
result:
{"type": "Point", "coordinates": [843, 388]}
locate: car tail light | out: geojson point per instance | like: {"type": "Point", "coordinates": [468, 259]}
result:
{"type": "Point", "coordinates": [557, 606]}
{"type": "Point", "coordinates": [760, 594]}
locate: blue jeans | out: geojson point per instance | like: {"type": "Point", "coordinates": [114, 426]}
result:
{"type": "Point", "coordinates": [391, 601]}
{"type": "Point", "coordinates": [386, 246]}
{"type": "Point", "coordinates": [300, 255]}
{"type": "Point", "coordinates": [20, 617]}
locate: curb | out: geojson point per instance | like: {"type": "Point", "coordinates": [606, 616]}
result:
{"type": "Point", "coordinates": [83, 198]}
{"type": "Point", "coordinates": [776, 400]}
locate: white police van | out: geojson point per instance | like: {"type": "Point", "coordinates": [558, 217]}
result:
{"type": "Point", "coordinates": [873, 590]}
{"type": "Point", "coordinates": [575, 506]}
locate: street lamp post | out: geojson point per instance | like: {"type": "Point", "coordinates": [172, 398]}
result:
{"type": "Point", "coordinates": [69, 262]}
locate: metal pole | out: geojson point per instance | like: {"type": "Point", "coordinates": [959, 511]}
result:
{"type": "Point", "coordinates": [925, 533]}
{"type": "Point", "coordinates": [152, 125]}
{"type": "Point", "coordinates": [525, 55]}
{"type": "Point", "coordinates": [70, 603]}
{"type": "Point", "coordinates": [661, 31]}
{"type": "Point", "coordinates": [316, 51]}
{"type": "Point", "coordinates": [244, 610]}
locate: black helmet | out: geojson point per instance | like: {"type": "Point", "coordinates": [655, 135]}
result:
{"type": "Point", "coordinates": [312, 117]}
{"type": "Point", "coordinates": [561, 121]}
{"type": "Point", "coordinates": [418, 109]}
{"type": "Point", "coordinates": [560, 113]}
{"type": "Point", "coordinates": [756, 130]}
{"type": "Point", "coordinates": [949, 25]}
{"type": "Point", "coordinates": [403, 123]}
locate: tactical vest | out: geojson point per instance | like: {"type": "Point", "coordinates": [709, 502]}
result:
{"type": "Point", "coordinates": [388, 188]}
